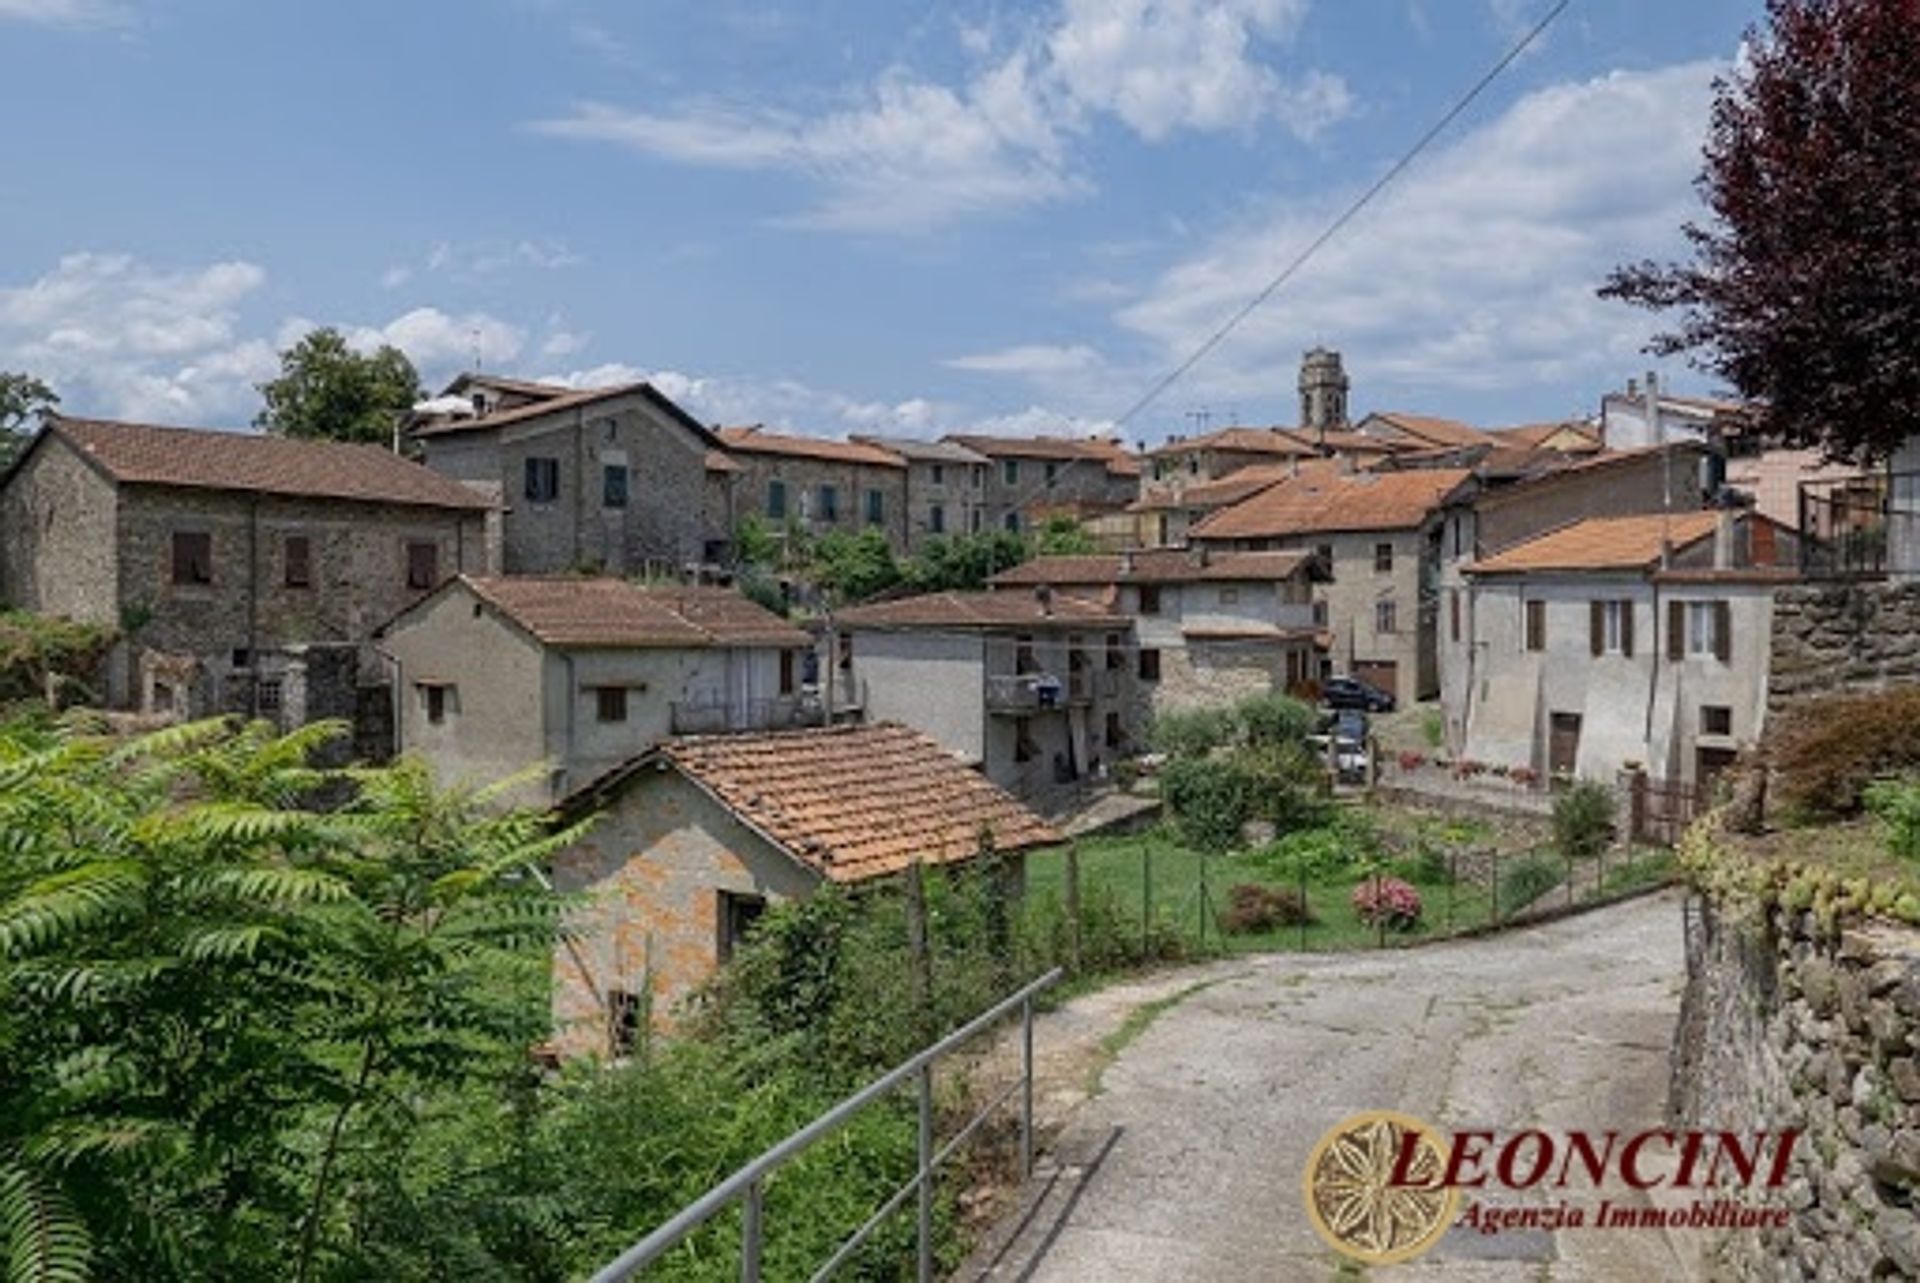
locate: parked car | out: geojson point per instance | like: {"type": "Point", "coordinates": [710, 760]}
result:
{"type": "Point", "coordinates": [1351, 692]}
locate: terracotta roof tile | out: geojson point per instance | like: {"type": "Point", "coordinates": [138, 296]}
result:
{"type": "Point", "coordinates": [717, 461]}
{"type": "Point", "coordinates": [1204, 496]}
{"type": "Point", "coordinates": [756, 440]}
{"type": "Point", "coordinates": [920, 451]}
{"type": "Point", "coordinates": [981, 610]}
{"type": "Point", "coordinates": [569, 400]}
{"type": "Point", "coordinates": [1117, 459]}
{"type": "Point", "coordinates": [574, 612]}
{"type": "Point", "coordinates": [1431, 428]}
{"type": "Point", "coordinates": [1601, 543]}
{"type": "Point", "coordinates": [1153, 565]}
{"type": "Point", "coordinates": [1279, 441]}
{"type": "Point", "coordinates": [1534, 434]}
{"type": "Point", "coordinates": [858, 802]}
{"type": "Point", "coordinates": [201, 459]}
{"type": "Point", "coordinates": [1323, 502]}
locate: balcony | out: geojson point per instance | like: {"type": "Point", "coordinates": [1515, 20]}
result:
{"type": "Point", "coordinates": [717, 717]}
{"type": "Point", "coordinates": [1020, 694]}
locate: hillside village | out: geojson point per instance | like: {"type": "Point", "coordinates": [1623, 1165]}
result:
{"type": "Point", "coordinates": [529, 590]}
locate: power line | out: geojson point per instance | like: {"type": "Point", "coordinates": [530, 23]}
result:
{"type": "Point", "coordinates": [1333, 228]}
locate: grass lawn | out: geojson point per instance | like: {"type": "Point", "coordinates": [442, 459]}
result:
{"type": "Point", "coordinates": [1120, 874]}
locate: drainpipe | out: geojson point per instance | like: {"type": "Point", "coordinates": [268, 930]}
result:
{"type": "Point", "coordinates": [573, 699]}
{"type": "Point", "coordinates": [579, 486]}
{"type": "Point", "coordinates": [253, 598]}
{"type": "Point", "coordinates": [1660, 643]}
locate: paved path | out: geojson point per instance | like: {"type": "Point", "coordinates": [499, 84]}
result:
{"type": "Point", "coordinates": [1188, 1164]}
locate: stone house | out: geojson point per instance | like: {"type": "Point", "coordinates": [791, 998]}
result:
{"type": "Point", "coordinates": [1185, 461]}
{"type": "Point", "coordinates": [1500, 508]}
{"type": "Point", "coordinates": [1617, 641]}
{"type": "Point", "coordinates": [1212, 627]}
{"type": "Point", "coordinates": [817, 486]}
{"type": "Point", "coordinates": [496, 675]}
{"type": "Point", "coordinates": [696, 837]}
{"type": "Point", "coordinates": [600, 480]}
{"type": "Point", "coordinates": [1378, 534]}
{"type": "Point", "coordinates": [1037, 689]}
{"type": "Point", "coordinates": [1419, 431]}
{"type": "Point", "coordinates": [946, 487]}
{"type": "Point", "coordinates": [244, 572]}
{"type": "Point", "coordinates": [1030, 476]}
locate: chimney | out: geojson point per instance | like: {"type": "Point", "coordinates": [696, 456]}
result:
{"type": "Point", "coordinates": [1044, 595]}
{"type": "Point", "coordinates": [1126, 562]}
{"type": "Point", "coordinates": [1633, 388]}
{"type": "Point", "coordinates": [1723, 540]}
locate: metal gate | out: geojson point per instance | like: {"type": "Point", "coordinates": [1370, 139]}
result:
{"type": "Point", "coordinates": [1661, 810]}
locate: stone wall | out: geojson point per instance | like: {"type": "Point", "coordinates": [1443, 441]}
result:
{"type": "Point", "coordinates": [1843, 636]}
{"type": "Point", "coordinates": [1784, 1025]}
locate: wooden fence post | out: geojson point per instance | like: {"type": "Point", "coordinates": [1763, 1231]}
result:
{"type": "Point", "coordinates": [920, 952]}
{"type": "Point", "coordinates": [1073, 908]}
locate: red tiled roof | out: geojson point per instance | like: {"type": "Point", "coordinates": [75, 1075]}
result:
{"type": "Point", "coordinates": [717, 461]}
{"type": "Point", "coordinates": [980, 610]}
{"type": "Point", "coordinates": [573, 612]}
{"type": "Point", "coordinates": [756, 440]}
{"type": "Point", "coordinates": [1345, 440]}
{"type": "Point", "coordinates": [858, 802]}
{"type": "Point", "coordinates": [201, 459]}
{"type": "Point", "coordinates": [1154, 565]}
{"type": "Point", "coordinates": [1602, 543]}
{"type": "Point", "coordinates": [1117, 459]}
{"type": "Point", "coordinates": [1205, 496]}
{"type": "Point", "coordinates": [1533, 434]}
{"type": "Point", "coordinates": [1327, 502]}
{"type": "Point", "coordinates": [1428, 427]}
{"type": "Point", "coordinates": [569, 400]}
{"type": "Point", "coordinates": [1245, 440]}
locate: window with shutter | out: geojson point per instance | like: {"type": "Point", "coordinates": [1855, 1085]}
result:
{"type": "Point", "coordinates": [298, 550]}
{"type": "Point", "coordinates": [1626, 628]}
{"type": "Point", "coordinates": [1676, 630]}
{"type": "Point", "coordinates": [423, 565]}
{"type": "Point", "coordinates": [777, 499]}
{"type": "Point", "coordinates": [1453, 611]}
{"type": "Point", "coordinates": [1722, 631]}
{"type": "Point", "coordinates": [1596, 627]}
{"type": "Point", "coordinates": [543, 480]}
{"type": "Point", "coordinates": [192, 557]}
{"type": "Point", "coordinates": [1536, 625]}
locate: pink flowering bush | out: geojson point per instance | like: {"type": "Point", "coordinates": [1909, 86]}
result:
{"type": "Point", "coordinates": [1524, 775]}
{"type": "Point", "coordinates": [1388, 900]}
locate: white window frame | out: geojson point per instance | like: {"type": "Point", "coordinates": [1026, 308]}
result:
{"type": "Point", "coordinates": [1700, 638]}
{"type": "Point", "coordinates": [1613, 625]}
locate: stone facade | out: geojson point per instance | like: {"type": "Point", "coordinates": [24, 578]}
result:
{"type": "Point", "coordinates": [1843, 636]}
{"type": "Point", "coordinates": [80, 545]}
{"type": "Point", "coordinates": [1029, 477]}
{"type": "Point", "coordinates": [655, 872]}
{"type": "Point", "coordinates": [817, 495]}
{"type": "Point", "coordinates": [664, 523]}
{"type": "Point", "coordinates": [946, 488]}
{"type": "Point", "coordinates": [1786, 1025]}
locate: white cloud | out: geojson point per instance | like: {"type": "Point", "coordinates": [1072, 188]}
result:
{"type": "Point", "coordinates": [120, 337]}
{"type": "Point", "coordinates": [562, 343]}
{"type": "Point", "coordinates": [432, 338]}
{"type": "Point", "coordinates": [1165, 65]}
{"type": "Point", "coordinates": [1032, 359]}
{"type": "Point", "coordinates": [64, 13]}
{"type": "Point", "coordinates": [1474, 274]}
{"type": "Point", "coordinates": [394, 277]}
{"type": "Point", "coordinates": [908, 154]}
{"type": "Point", "coordinates": [472, 260]}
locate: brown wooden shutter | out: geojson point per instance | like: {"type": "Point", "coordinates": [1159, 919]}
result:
{"type": "Point", "coordinates": [1596, 626]}
{"type": "Point", "coordinates": [1676, 630]}
{"type": "Point", "coordinates": [1453, 607]}
{"type": "Point", "coordinates": [299, 566]}
{"type": "Point", "coordinates": [1626, 627]}
{"type": "Point", "coordinates": [1722, 631]}
{"type": "Point", "coordinates": [422, 565]}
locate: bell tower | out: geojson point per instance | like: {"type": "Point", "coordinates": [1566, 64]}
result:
{"type": "Point", "coordinates": [1323, 391]}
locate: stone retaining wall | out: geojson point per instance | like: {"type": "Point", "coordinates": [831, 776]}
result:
{"type": "Point", "coordinates": [1830, 637]}
{"type": "Point", "coordinates": [1783, 1025]}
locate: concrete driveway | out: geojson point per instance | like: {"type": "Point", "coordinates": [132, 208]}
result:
{"type": "Point", "coordinates": [1188, 1164]}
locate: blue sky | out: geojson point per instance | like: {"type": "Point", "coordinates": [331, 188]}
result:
{"type": "Point", "coordinates": [848, 214]}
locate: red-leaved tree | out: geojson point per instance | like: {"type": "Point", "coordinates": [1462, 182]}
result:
{"type": "Point", "coordinates": [1803, 291]}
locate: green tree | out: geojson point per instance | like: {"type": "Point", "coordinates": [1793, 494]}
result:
{"type": "Point", "coordinates": [854, 567]}
{"type": "Point", "coordinates": [1062, 536]}
{"type": "Point", "coordinates": [21, 398]}
{"type": "Point", "coordinates": [224, 1012]}
{"type": "Point", "coordinates": [964, 562]}
{"type": "Point", "coordinates": [328, 391]}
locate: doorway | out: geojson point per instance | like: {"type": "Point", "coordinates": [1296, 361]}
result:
{"type": "Point", "coordinates": [1563, 743]}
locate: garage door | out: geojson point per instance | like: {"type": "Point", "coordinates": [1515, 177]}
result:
{"type": "Point", "coordinates": [1382, 675]}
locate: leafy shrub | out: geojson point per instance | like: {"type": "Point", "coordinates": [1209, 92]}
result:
{"type": "Point", "coordinates": [1191, 732]}
{"type": "Point", "coordinates": [1431, 866]}
{"type": "Point", "coordinates": [1391, 901]}
{"type": "Point", "coordinates": [32, 647]}
{"type": "Point", "coordinates": [1289, 785]}
{"type": "Point", "coordinates": [1433, 728]}
{"type": "Point", "coordinates": [1897, 804]}
{"type": "Point", "coordinates": [1272, 721]}
{"type": "Point", "coordinates": [1583, 819]}
{"type": "Point", "coordinates": [1253, 909]}
{"type": "Point", "coordinates": [1527, 880]}
{"type": "Point", "coordinates": [1210, 800]}
{"type": "Point", "coordinates": [1825, 752]}
{"type": "Point", "coordinates": [1321, 853]}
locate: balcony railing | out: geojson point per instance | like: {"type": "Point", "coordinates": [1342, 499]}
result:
{"type": "Point", "coordinates": [1863, 526]}
{"type": "Point", "coordinates": [713, 717]}
{"type": "Point", "coordinates": [1022, 693]}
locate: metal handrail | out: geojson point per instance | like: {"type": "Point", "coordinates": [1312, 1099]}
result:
{"type": "Point", "coordinates": [748, 1183]}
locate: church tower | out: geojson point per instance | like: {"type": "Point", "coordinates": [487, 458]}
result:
{"type": "Point", "coordinates": [1323, 391]}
